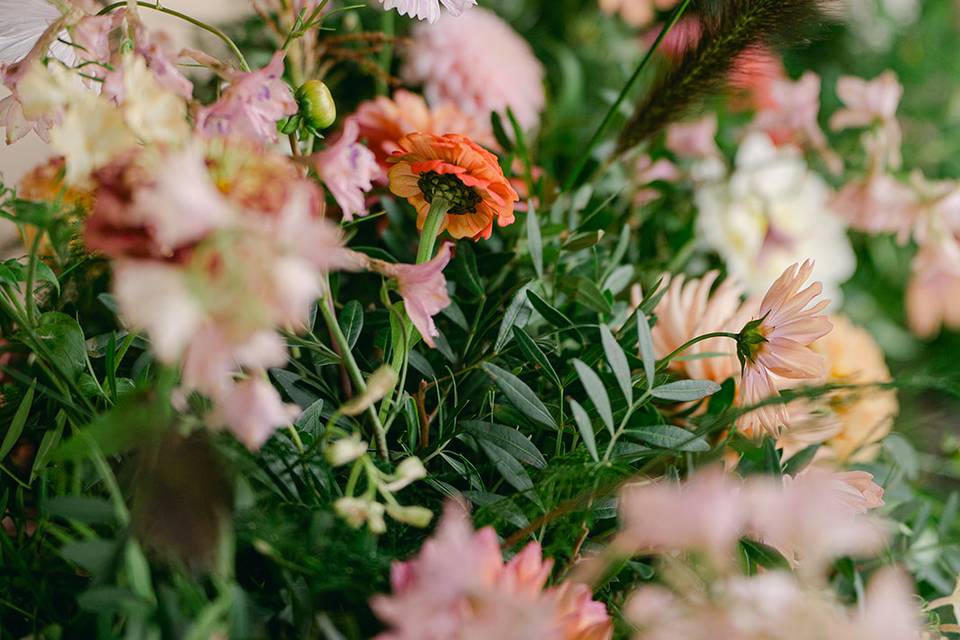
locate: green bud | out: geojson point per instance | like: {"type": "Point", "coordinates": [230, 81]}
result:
{"type": "Point", "coordinates": [317, 108]}
{"type": "Point", "coordinates": [749, 340]}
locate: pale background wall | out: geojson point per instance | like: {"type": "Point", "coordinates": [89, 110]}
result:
{"type": "Point", "coordinates": [15, 160]}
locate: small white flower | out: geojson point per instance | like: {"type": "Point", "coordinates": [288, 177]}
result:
{"type": "Point", "coordinates": [345, 451]}
{"type": "Point", "coordinates": [408, 472]}
{"type": "Point", "coordinates": [414, 516]}
{"type": "Point", "coordinates": [428, 10]}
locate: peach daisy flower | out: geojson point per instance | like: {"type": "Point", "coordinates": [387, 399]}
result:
{"type": "Point", "coordinates": [456, 168]}
{"type": "Point", "coordinates": [776, 345]}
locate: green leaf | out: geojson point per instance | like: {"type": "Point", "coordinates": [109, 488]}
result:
{"type": "Point", "coordinates": [18, 422]}
{"type": "Point", "coordinates": [799, 461]}
{"type": "Point", "coordinates": [585, 428]}
{"type": "Point", "coordinates": [49, 442]}
{"type": "Point", "coordinates": [533, 351]}
{"type": "Point", "coordinates": [83, 508]}
{"type": "Point", "coordinates": [63, 339]}
{"type": "Point", "coordinates": [91, 555]}
{"type": "Point", "coordinates": [591, 296]}
{"type": "Point", "coordinates": [351, 321]}
{"type": "Point", "coordinates": [311, 420]}
{"type": "Point", "coordinates": [508, 466]}
{"type": "Point", "coordinates": [757, 553]}
{"type": "Point", "coordinates": [596, 391]}
{"type": "Point", "coordinates": [496, 121]}
{"type": "Point", "coordinates": [618, 362]}
{"type": "Point", "coordinates": [619, 279]}
{"type": "Point", "coordinates": [520, 395]}
{"type": "Point", "coordinates": [517, 314]}
{"type": "Point", "coordinates": [583, 240]}
{"type": "Point", "coordinates": [508, 439]}
{"type": "Point", "coordinates": [647, 352]}
{"type": "Point", "coordinates": [534, 240]}
{"type": "Point", "coordinates": [667, 436]}
{"type": "Point", "coordinates": [112, 599]}
{"type": "Point", "coordinates": [46, 274]}
{"type": "Point", "coordinates": [686, 390]}
{"type": "Point", "coordinates": [464, 269]}
{"type": "Point", "coordinates": [549, 314]}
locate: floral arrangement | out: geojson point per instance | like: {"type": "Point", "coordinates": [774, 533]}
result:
{"type": "Point", "coordinates": [460, 319]}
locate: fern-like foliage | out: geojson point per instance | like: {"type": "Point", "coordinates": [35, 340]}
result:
{"type": "Point", "coordinates": [730, 30]}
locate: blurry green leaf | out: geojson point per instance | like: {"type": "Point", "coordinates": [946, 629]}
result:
{"type": "Point", "coordinates": [549, 314]}
{"type": "Point", "coordinates": [112, 600]}
{"type": "Point", "coordinates": [456, 316]}
{"type": "Point", "coordinates": [585, 428]}
{"type": "Point", "coordinates": [596, 392]}
{"type": "Point", "coordinates": [619, 279]}
{"type": "Point", "coordinates": [582, 240]}
{"type": "Point", "coordinates": [508, 439]}
{"type": "Point", "coordinates": [311, 420]}
{"type": "Point", "coordinates": [533, 351]}
{"type": "Point", "coordinates": [18, 422]}
{"type": "Point", "coordinates": [49, 442]}
{"type": "Point", "coordinates": [464, 271]}
{"type": "Point", "coordinates": [618, 362]}
{"type": "Point", "coordinates": [685, 390]}
{"type": "Point", "coordinates": [903, 454]}
{"type": "Point", "coordinates": [508, 466]}
{"type": "Point", "coordinates": [92, 555]}
{"type": "Point", "coordinates": [799, 461]}
{"type": "Point", "coordinates": [520, 395]}
{"type": "Point", "coordinates": [496, 121]}
{"type": "Point", "coordinates": [667, 436]}
{"type": "Point", "coordinates": [351, 321]}
{"type": "Point", "coordinates": [63, 339]}
{"type": "Point", "coordinates": [591, 296]}
{"type": "Point", "coordinates": [517, 314]}
{"type": "Point", "coordinates": [647, 352]}
{"type": "Point", "coordinates": [419, 362]}
{"type": "Point", "coordinates": [757, 553]}
{"type": "Point", "coordinates": [135, 421]}
{"type": "Point", "coordinates": [46, 274]}
{"type": "Point", "coordinates": [295, 388]}
{"type": "Point", "coordinates": [83, 508]}
{"type": "Point", "coordinates": [534, 240]}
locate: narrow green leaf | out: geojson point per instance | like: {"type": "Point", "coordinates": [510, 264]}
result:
{"type": "Point", "coordinates": [533, 351]}
{"type": "Point", "coordinates": [590, 295]}
{"type": "Point", "coordinates": [647, 352]}
{"type": "Point", "coordinates": [686, 390]}
{"type": "Point", "coordinates": [517, 314]}
{"type": "Point", "coordinates": [763, 555]}
{"type": "Point", "coordinates": [351, 321]}
{"type": "Point", "coordinates": [496, 121]}
{"type": "Point", "coordinates": [619, 279]}
{"type": "Point", "coordinates": [508, 439]}
{"type": "Point", "coordinates": [597, 393]}
{"type": "Point", "coordinates": [520, 395]}
{"type": "Point", "coordinates": [534, 240]}
{"type": "Point", "coordinates": [508, 466]}
{"type": "Point", "coordinates": [618, 362]}
{"type": "Point", "coordinates": [799, 461]}
{"type": "Point", "coordinates": [82, 508]}
{"type": "Point", "coordinates": [549, 313]}
{"type": "Point", "coordinates": [667, 436]}
{"type": "Point", "coordinates": [585, 428]}
{"type": "Point", "coordinates": [18, 422]}
{"type": "Point", "coordinates": [584, 240]}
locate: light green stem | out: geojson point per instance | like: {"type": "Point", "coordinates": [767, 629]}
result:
{"type": "Point", "coordinates": [431, 229]}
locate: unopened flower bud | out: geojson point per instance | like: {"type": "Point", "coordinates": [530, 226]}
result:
{"type": "Point", "coordinates": [317, 108]}
{"type": "Point", "coordinates": [408, 471]}
{"type": "Point", "coordinates": [357, 512]}
{"type": "Point", "coordinates": [378, 385]}
{"type": "Point", "coordinates": [414, 516]}
{"type": "Point", "coordinates": [345, 451]}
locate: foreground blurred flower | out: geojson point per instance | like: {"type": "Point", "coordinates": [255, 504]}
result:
{"type": "Point", "coordinates": [383, 121]}
{"type": "Point", "coordinates": [251, 106]}
{"type": "Point", "coordinates": [347, 168]}
{"type": "Point", "coordinates": [770, 213]}
{"type": "Point", "coordinates": [428, 9]}
{"type": "Point", "coordinates": [465, 175]}
{"type": "Point", "coordinates": [776, 345]}
{"type": "Point", "coordinates": [690, 309]}
{"type": "Point", "coordinates": [458, 588]}
{"type": "Point", "coordinates": [478, 63]}
{"type": "Point", "coordinates": [423, 288]}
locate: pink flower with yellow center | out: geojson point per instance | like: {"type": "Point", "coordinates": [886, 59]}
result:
{"type": "Point", "coordinates": [776, 346]}
{"type": "Point", "coordinates": [464, 174]}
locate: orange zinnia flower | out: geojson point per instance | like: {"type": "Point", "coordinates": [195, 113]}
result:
{"type": "Point", "coordinates": [456, 168]}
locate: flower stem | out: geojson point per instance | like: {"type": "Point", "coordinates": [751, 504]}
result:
{"type": "Point", "coordinates": [388, 26]}
{"type": "Point", "coordinates": [182, 16]}
{"type": "Point", "coordinates": [571, 181]}
{"type": "Point", "coordinates": [707, 336]}
{"type": "Point", "coordinates": [353, 370]}
{"type": "Point", "coordinates": [431, 228]}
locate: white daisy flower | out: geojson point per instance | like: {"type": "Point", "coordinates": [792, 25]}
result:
{"type": "Point", "coordinates": [428, 10]}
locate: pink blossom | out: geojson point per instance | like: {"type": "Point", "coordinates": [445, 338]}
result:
{"type": "Point", "coordinates": [252, 410]}
{"type": "Point", "coordinates": [348, 169]}
{"type": "Point", "coordinates": [933, 294]}
{"type": "Point", "coordinates": [251, 106]}
{"type": "Point", "coordinates": [867, 102]}
{"type": "Point", "coordinates": [428, 10]}
{"type": "Point", "coordinates": [694, 139]}
{"type": "Point", "coordinates": [778, 346]}
{"type": "Point", "coordinates": [423, 289]}
{"type": "Point", "coordinates": [649, 171]}
{"type": "Point", "coordinates": [458, 588]}
{"type": "Point", "coordinates": [479, 63]}
{"type": "Point", "coordinates": [858, 490]}
{"type": "Point", "coordinates": [878, 203]}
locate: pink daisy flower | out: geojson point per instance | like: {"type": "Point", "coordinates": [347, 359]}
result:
{"type": "Point", "coordinates": [478, 63]}
{"type": "Point", "coordinates": [776, 346]}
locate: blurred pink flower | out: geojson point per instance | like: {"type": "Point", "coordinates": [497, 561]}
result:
{"type": "Point", "coordinates": [428, 10]}
{"type": "Point", "coordinates": [695, 139]}
{"type": "Point", "coordinates": [703, 514]}
{"type": "Point", "coordinates": [858, 490]}
{"type": "Point", "coordinates": [933, 294]}
{"type": "Point", "coordinates": [638, 13]}
{"type": "Point", "coordinates": [252, 410]}
{"type": "Point", "coordinates": [478, 63]}
{"type": "Point", "coordinates": [873, 103]}
{"type": "Point", "coordinates": [889, 611]}
{"type": "Point", "coordinates": [692, 307]}
{"type": "Point", "coordinates": [251, 106]}
{"type": "Point", "coordinates": [423, 288]}
{"type": "Point", "coordinates": [648, 171]}
{"type": "Point", "coordinates": [458, 588]}
{"type": "Point", "coordinates": [878, 203]}
{"type": "Point", "coordinates": [754, 76]}
{"type": "Point", "coordinates": [777, 346]}
{"type": "Point", "coordinates": [348, 169]}
{"type": "Point", "coordinates": [384, 121]}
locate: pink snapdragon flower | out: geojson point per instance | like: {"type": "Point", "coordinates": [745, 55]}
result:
{"type": "Point", "coordinates": [348, 169]}
{"type": "Point", "coordinates": [428, 10]}
{"type": "Point", "coordinates": [251, 106]}
{"type": "Point", "coordinates": [776, 345]}
{"type": "Point", "coordinates": [423, 289]}
{"type": "Point", "coordinates": [479, 63]}
{"type": "Point", "coordinates": [459, 588]}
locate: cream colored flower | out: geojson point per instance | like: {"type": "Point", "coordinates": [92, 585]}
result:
{"type": "Point", "coordinates": [154, 113]}
{"type": "Point", "coordinates": [91, 135]}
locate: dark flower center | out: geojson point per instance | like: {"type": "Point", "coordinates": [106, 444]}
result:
{"type": "Point", "coordinates": [462, 198]}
